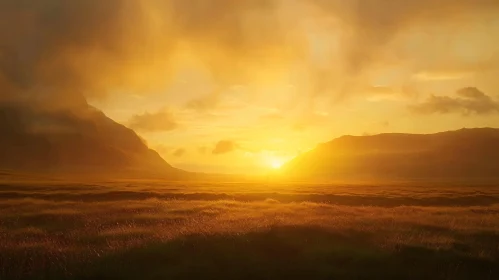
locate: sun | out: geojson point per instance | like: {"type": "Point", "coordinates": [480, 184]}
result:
{"type": "Point", "coordinates": [276, 163]}
{"type": "Point", "coordinates": [272, 160]}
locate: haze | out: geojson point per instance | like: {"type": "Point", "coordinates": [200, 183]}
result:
{"type": "Point", "coordinates": [249, 139]}
{"type": "Point", "coordinates": [244, 86]}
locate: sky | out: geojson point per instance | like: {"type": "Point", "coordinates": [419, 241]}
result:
{"type": "Point", "coordinates": [243, 86]}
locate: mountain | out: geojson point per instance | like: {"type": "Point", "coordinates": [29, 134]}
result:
{"type": "Point", "coordinates": [466, 154]}
{"type": "Point", "coordinates": [77, 139]}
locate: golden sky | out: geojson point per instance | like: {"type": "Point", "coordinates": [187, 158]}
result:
{"type": "Point", "coordinates": [238, 86]}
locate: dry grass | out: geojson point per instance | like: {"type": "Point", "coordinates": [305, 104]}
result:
{"type": "Point", "coordinates": [70, 230]}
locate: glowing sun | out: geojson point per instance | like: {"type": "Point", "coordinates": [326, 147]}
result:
{"type": "Point", "coordinates": [276, 163]}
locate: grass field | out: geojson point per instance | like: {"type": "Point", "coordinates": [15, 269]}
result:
{"type": "Point", "coordinates": [160, 230]}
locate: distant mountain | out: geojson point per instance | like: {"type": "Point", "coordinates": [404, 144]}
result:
{"type": "Point", "coordinates": [455, 155]}
{"type": "Point", "coordinates": [76, 139]}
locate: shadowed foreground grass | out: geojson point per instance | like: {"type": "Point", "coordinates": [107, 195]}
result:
{"type": "Point", "coordinates": [242, 231]}
{"type": "Point", "coordinates": [289, 253]}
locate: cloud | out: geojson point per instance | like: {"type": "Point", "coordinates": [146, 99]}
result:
{"type": "Point", "coordinates": [469, 100]}
{"type": "Point", "coordinates": [159, 121]}
{"type": "Point", "coordinates": [58, 45]}
{"type": "Point", "coordinates": [179, 152]}
{"type": "Point", "coordinates": [92, 47]}
{"type": "Point", "coordinates": [224, 147]}
{"type": "Point", "coordinates": [370, 25]}
{"type": "Point", "coordinates": [224, 99]}
{"type": "Point", "coordinates": [204, 103]}
{"type": "Point", "coordinates": [23, 118]}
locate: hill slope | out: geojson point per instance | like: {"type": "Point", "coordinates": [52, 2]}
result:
{"type": "Point", "coordinates": [462, 154]}
{"type": "Point", "coordinates": [78, 139]}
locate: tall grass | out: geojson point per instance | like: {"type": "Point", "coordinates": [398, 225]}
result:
{"type": "Point", "coordinates": [72, 230]}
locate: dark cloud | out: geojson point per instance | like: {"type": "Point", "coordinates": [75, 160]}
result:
{"type": "Point", "coordinates": [179, 152]}
{"type": "Point", "coordinates": [91, 47]}
{"type": "Point", "coordinates": [469, 100]}
{"type": "Point", "coordinates": [67, 47]}
{"type": "Point", "coordinates": [23, 118]}
{"type": "Point", "coordinates": [159, 121]}
{"type": "Point", "coordinates": [224, 146]}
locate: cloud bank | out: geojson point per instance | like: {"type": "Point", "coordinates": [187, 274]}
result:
{"type": "Point", "coordinates": [91, 47]}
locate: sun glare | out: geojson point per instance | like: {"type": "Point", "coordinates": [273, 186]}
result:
{"type": "Point", "coordinates": [276, 163]}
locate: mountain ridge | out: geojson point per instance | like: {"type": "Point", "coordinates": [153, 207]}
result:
{"type": "Point", "coordinates": [74, 140]}
{"type": "Point", "coordinates": [465, 153]}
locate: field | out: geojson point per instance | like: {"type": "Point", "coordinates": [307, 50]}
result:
{"type": "Point", "coordinates": [173, 230]}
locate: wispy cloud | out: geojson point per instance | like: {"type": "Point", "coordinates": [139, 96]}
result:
{"type": "Point", "coordinates": [179, 152]}
{"type": "Point", "coordinates": [162, 120]}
